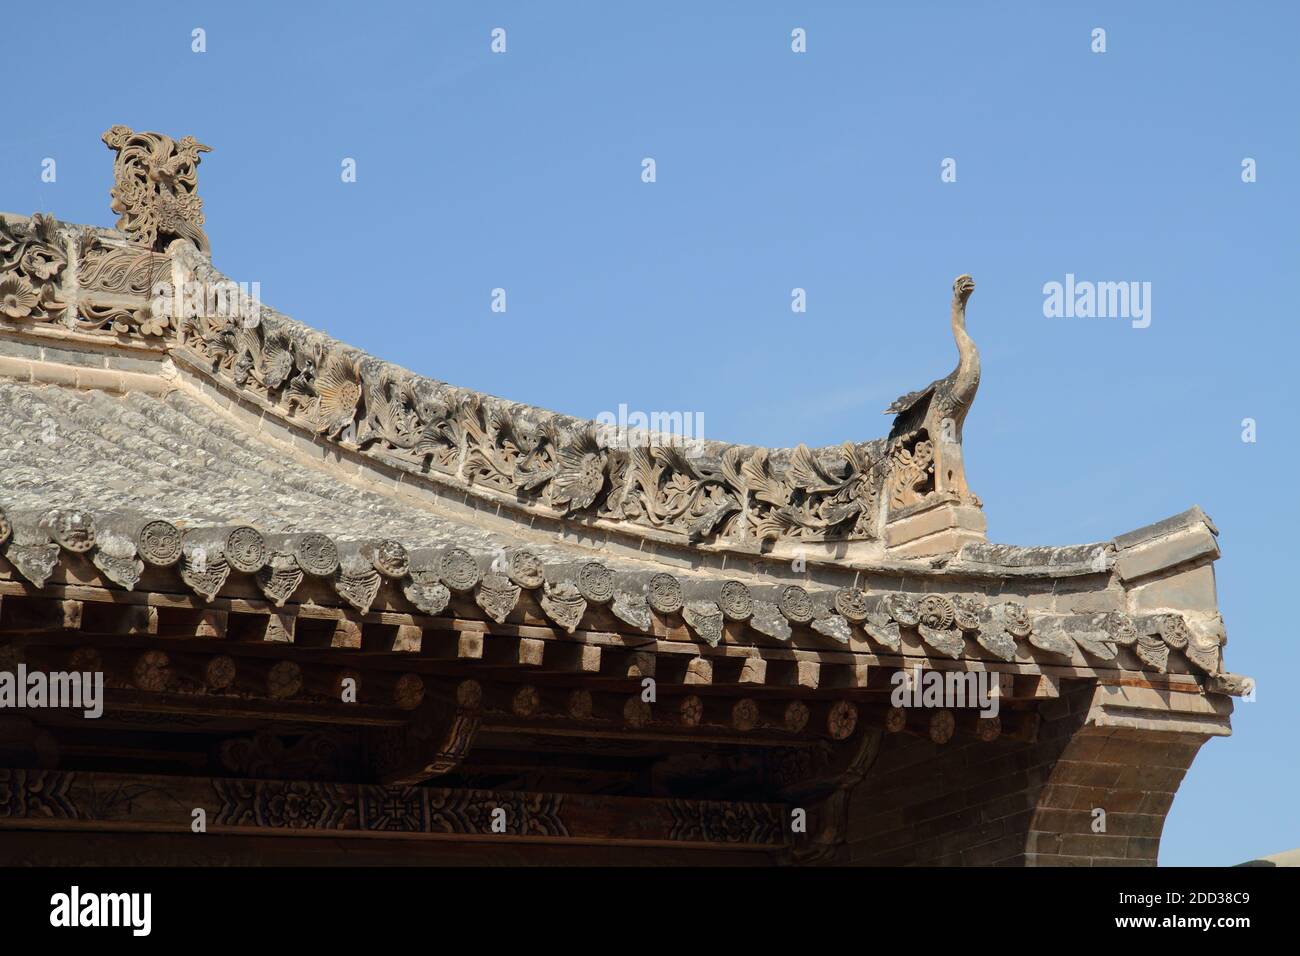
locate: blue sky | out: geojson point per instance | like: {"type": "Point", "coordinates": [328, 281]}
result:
{"type": "Point", "coordinates": [774, 170]}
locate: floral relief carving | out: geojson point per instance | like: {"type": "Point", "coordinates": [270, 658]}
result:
{"type": "Point", "coordinates": [118, 286]}
{"type": "Point", "coordinates": [814, 498]}
{"type": "Point", "coordinates": [580, 472]}
{"type": "Point", "coordinates": [665, 489]}
{"type": "Point", "coordinates": [32, 269]}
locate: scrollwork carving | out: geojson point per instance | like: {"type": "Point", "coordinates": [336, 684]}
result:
{"type": "Point", "coordinates": [155, 188]}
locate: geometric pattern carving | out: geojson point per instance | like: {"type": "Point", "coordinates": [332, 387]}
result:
{"type": "Point", "coordinates": [35, 794]}
{"type": "Point", "coordinates": [718, 822]}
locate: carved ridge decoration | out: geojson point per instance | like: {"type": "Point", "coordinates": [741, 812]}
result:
{"type": "Point", "coordinates": [542, 459]}
{"type": "Point", "coordinates": [117, 287]}
{"type": "Point", "coordinates": [155, 187]}
{"type": "Point", "coordinates": [33, 267]}
{"type": "Point", "coordinates": [126, 270]}
{"type": "Point", "coordinates": [116, 280]}
{"type": "Point", "coordinates": [549, 462]}
{"type": "Point", "coordinates": [732, 494]}
{"type": "Point", "coordinates": [925, 449]}
{"type": "Point", "coordinates": [155, 196]}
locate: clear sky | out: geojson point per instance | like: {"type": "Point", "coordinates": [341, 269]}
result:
{"type": "Point", "coordinates": [777, 170]}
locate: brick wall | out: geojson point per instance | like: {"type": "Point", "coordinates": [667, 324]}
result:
{"type": "Point", "coordinates": [1021, 803]}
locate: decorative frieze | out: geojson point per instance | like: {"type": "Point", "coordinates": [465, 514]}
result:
{"type": "Point", "coordinates": [956, 626]}
{"type": "Point", "coordinates": [107, 800]}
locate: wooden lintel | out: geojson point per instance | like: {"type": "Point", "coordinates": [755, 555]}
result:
{"type": "Point", "coordinates": [351, 811]}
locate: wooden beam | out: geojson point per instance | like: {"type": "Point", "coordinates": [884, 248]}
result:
{"type": "Point", "coordinates": [941, 725]}
{"type": "Point", "coordinates": [572, 658]}
{"type": "Point", "coordinates": [513, 652]}
{"type": "Point", "coordinates": [530, 817]}
{"type": "Point", "coordinates": [279, 680]}
{"type": "Point", "coordinates": [744, 714]}
{"type": "Point", "coordinates": [636, 712]}
{"type": "Point", "coordinates": [436, 741]}
{"type": "Point", "coordinates": [452, 645]}
{"type": "Point", "coordinates": [202, 622]}
{"type": "Point", "coordinates": [845, 676]}
{"type": "Point", "coordinates": [1035, 687]}
{"type": "Point", "coordinates": [519, 700]}
{"type": "Point", "coordinates": [113, 619]}
{"type": "Point", "coordinates": [211, 672]}
{"type": "Point", "coordinates": [627, 664]}
{"type": "Point", "coordinates": [699, 671]}
{"type": "Point", "coordinates": [152, 672]}
{"type": "Point", "coordinates": [22, 615]}
{"type": "Point", "coordinates": [408, 639]}
{"type": "Point", "coordinates": [805, 674]}
{"type": "Point", "coordinates": [347, 635]}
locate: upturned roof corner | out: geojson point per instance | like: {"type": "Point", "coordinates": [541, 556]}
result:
{"type": "Point", "coordinates": [230, 516]}
{"type": "Point", "coordinates": [142, 311]}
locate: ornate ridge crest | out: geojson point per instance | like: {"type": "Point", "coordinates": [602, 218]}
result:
{"type": "Point", "coordinates": [107, 284]}
{"type": "Point", "coordinates": [155, 187]}
{"type": "Point", "coordinates": [732, 494]}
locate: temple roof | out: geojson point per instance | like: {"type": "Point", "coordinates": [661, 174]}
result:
{"type": "Point", "coordinates": [157, 421]}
